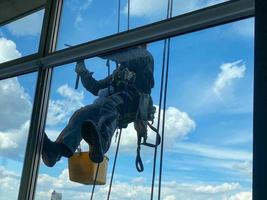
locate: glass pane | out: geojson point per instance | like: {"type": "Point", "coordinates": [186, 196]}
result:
{"type": "Point", "coordinates": [208, 151]}
{"type": "Point", "coordinates": [65, 100]}
{"type": "Point", "coordinates": [208, 143]}
{"type": "Point", "coordinates": [146, 12]}
{"type": "Point", "coordinates": [15, 37]}
{"type": "Point", "coordinates": [88, 20]}
{"type": "Point", "coordinates": [16, 106]}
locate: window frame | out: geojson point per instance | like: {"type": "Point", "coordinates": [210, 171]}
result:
{"type": "Point", "coordinates": [47, 58]}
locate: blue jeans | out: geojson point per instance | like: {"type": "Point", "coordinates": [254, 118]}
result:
{"type": "Point", "coordinates": [103, 113]}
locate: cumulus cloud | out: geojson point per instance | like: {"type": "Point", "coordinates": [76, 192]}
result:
{"type": "Point", "coordinates": [211, 189]}
{"type": "Point", "coordinates": [14, 99]}
{"type": "Point", "coordinates": [155, 8]}
{"type": "Point", "coordinates": [78, 8]}
{"type": "Point", "coordinates": [60, 110]}
{"type": "Point", "coordinates": [13, 142]}
{"type": "Point", "coordinates": [14, 128]}
{"type": "Point", "coordinates": [170, 197]}
{"type": "Point", "coordinates": [171, 190]}
{"type": "Point", "coordinates": [229, 73]}
{"type": "Point", "coordinates": [242, 196]}
{"type": "Point", "coordinates": [8, 50]}
{"type": "Point", "coordinates": [128, 190]}
{"type": "Point", "coordinates": [9, 180]}
{"type": "Point", "coordinates": [27, 26]}
{"type": "Point", "coordinates": [6, 142]}
{"type": "Point", "coordinates": [178, 125]}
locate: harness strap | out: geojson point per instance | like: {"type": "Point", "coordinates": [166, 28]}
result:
{"type": "Point", "coordinates": [138, 160]}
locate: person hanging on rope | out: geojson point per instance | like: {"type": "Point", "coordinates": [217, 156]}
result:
{"type": "Point", "coordinates": [123, 97]}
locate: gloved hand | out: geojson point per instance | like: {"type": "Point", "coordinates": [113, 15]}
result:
{"type": "Point", "coordinates": [80, 67]}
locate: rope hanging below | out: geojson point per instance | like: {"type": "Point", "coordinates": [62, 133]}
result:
{"type": "Point", "coordinates": [166, 53]}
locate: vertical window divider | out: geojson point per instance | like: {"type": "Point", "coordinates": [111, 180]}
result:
{"type": "Point", "coordinates": [41, 100]}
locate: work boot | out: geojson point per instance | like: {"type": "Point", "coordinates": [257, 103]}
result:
{"type": "Point", "coordinates": [94, 140]}
{"type": "Point", "coordinates": [51, 152]}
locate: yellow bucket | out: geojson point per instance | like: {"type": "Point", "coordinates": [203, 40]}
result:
{"type": "Point", "coordinates": [83, 170]}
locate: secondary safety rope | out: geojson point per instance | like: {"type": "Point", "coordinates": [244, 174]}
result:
{"type": "Point", "coordinates": [170, 2]}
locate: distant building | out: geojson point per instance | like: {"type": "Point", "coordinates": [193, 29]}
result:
{"type": "Point", "coordinates": [56, 196]}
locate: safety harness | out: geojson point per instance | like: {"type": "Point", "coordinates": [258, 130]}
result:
{"type": "Point", "coordinates": [142, 118]}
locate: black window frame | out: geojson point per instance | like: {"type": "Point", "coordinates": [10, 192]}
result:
{"type": "Point", "coordinates": [47, 58]}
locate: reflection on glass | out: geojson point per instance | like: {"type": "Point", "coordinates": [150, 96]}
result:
{"type": "Point", "coordinates": [16, 106]}
{"type": "Point", "coordinates": [208, 152]}
{"type": "Point", "coordinates": [84, 21]}
{"type": "Point", "coordinates": [208, 129]}
{"type": "Point", "coordinates": [16, 36]}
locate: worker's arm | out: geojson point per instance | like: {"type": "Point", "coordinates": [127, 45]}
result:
{"type": "Point", "coordinates": [88, 81]}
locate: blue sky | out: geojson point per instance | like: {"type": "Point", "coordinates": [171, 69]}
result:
{"type": "Point", "coordinates": [208, 144]}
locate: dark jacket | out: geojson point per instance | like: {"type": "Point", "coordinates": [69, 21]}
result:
{"type": "Point", "coordinates": [142, 66]}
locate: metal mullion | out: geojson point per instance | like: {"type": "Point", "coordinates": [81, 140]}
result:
{"type": "Point", "coordinates": [40, 106]}
{"type": "Point", "coordinates": [9, 69]}
{"type": "Point", "coordinates": [208, 17]}
{"type": "Point", "coordinates": [260, 103]}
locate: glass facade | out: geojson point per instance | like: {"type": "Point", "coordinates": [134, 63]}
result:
{"type": "Point", "coordinates": [84, 21]}
{"type": "Point", "coordinates": [208, 131]}
{"type": "Point", "coordinates": [208, 124]}
{"type": "Point", "coordinates": [16, 102]}
{"type": "Point", "coordinates": [21, 37]}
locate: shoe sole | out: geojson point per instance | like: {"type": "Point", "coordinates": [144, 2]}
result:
{"type": "Point", "coordinates": [47, 161]}
{"type": "Point", "coordinates": [92, 138]}
{"type": "Point", "coordinates": [45, 154]}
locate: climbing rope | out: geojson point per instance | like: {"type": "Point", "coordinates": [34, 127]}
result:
{"type": "Point", "coordinates": [119, 15]}
{"type": "Point", "coordinates": [165, 48]}
{"type": "Point", "coordinates": [114, 165]}
{"type": "Point", "coordinates": [159, 117]}
{"type": "Point", "coordinates": [170, 3]}
{"type": "Point", "coordinates": [93, 189]}
{"type": "Point", "coordinates": [118, 143]}
{"type": "Point", "coordinates": [128, 16]}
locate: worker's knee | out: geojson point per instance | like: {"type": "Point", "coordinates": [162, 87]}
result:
{"type": "Point", "coordinates": [79, 115]}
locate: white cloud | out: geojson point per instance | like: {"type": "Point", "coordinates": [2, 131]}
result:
{"type": "Point", "coordinates": [27, 26]}
{"type": "Point", "coordinates": [156, 8]}
{"type": "Point", "coordinates": [229, 73]}
{"type": "Point", "coordinates": [178, 124]}
{"type": "Point", "coordinates": [241, 196]}
{"type": "Point", "coordinates": [244, 28]}
{"type": "Point", "coordinates": [6, 142]}
{"type": "Point", "coordinates": [13, 142]}
{"type": "Point", "coordinates": [170, 197]}
{"type": "Point", "coordinates": [244, 167]}
{"type": "Point", "coordinates": [211, 189]}
{"type": "Point", "coordinates": [14, 99]}
{"type": "Point", "coordinates": [60, 110]}
{"type": "Point", "coordinates": [9, 180]}
{"type": "Point", "coordinates": [130, 190]}
{"type": "Point", "coordinates": [8, 50]}
{"type": "Point", "coordinates": [79, 8]}
{"type": "Point", "coordinates": [139, 180]}
{"type": "Point", "coordinates": [212, 151]}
